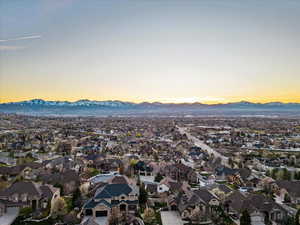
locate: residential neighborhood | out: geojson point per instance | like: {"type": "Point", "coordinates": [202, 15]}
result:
{"type": "Point", "coordinates": [148, 171]}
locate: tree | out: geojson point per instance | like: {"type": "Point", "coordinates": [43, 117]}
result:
{"type": "Point", "coordinates": [274, 173]}
{"type": "Point", "coordinates": [143, 195]}
{"type": "Point", "coordinates": [286, 174]}
{"type": "Point", "coordinates": [288, 221]}
{"type": "Point", "coordinates": [76, 197]}
{"type": "Point", "coordinates": [297, 175]}
{"type": "Point", "coordinates": [149, 216]}
{"type": "Point", "coordinates": [158, 177]}
{"type": "Point", "coordinates": [245, 218]}
{"type": "Point", "coordinates": [287, 198]}
{"type": "Point", "coordinates": [297, 218]}
{"type": "Point", "coordinates": [59, 207]}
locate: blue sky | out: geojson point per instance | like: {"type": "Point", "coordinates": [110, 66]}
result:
{"type": "Point", "coordinates": [208, 51]}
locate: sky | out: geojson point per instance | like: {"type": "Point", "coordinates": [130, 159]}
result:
{"type": "Point", "coordinates": [150, 50]}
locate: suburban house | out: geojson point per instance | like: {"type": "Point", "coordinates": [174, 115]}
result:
{"type": "Point", "coordinates": [289, 188]}
{"type": "Point", "coordinates": [196, 206]}
{"type": "Point", "coordinates": [29, 194]}
{"type": "Point", "coordinates": [123, 197]}
{"type": "Point", "coordinates": [260, 207]}
{"type": "Point", "coordinates": [143, 169]}
{"type": "Point", "coordinates": [67, 180]}
{"type": "Point", "coordinates": [181, 172]}
{"type": "Point", "coordinates": [168, 185]}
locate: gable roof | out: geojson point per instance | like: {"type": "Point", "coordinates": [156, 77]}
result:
{"type": "Point", "coordinates": [224, 188]}
{"type": "Point", "coordinates": [252, 202]}
{"type": "Point", "coordinates": [205, 195]}
{"type": "Point", "coordinates": [13, 171]}
{"type": "Point", "coordinates": [244, 173]}
{"type": "Point", "coordinates": [236, 200]}
{"type": "Point", "coordinates": [46, 191]}
{"type": "Point", "coordinates": [226, 171]}
{"type": "Point", "coordinates": [292, 187]}
{"type": "Point", "coordinates": [61, 178]}
{"type": "Point", "coordinates": [118, 180]}
{"type": "Point", "coordinates": [21, 187]}
{"type": "Point", "coordinates": [113, 190]}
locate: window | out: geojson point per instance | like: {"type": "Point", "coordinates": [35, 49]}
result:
{"type": "Point", "coordinates": [123, 207]}
{"type": "Point", "coordinates": [132, 207]}
{"type": "Point", "coordinates": [88, 212]}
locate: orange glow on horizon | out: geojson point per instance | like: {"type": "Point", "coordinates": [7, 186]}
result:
{"type": "Point", "coordinates": [204, 100]}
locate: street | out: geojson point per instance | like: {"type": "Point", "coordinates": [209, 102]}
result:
{"type": "Point", "coordinates": [203, 146]}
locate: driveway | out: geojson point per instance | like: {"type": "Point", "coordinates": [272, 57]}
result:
{"type": "Point", "coordinates": [98, 220]}
{"type": "Point", "coordinates": [101, 220]}
{"type": "Point", "coordinates": [170, 218]}
{"type": "Point", "coordinates": [9, 217]}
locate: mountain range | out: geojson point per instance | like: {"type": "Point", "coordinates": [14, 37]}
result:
{"type": "Point", "coordinates": [87, 107]}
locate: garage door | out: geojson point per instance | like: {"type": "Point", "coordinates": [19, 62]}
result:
{"type": "Point", "coordinates": [101, 213]}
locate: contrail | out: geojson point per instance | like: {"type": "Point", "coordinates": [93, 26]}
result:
{"type": "Point", "coordinates": [21, 38]}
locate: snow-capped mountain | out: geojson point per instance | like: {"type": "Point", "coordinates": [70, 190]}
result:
{"type": "Point", "coordinates": [88, 107]}
{"type": "Point", "coordinates": [82, 102]}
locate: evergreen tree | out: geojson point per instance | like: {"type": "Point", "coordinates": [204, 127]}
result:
{"type": "Point", "coordinates": [158, 177]}
{"type": "Point", "coordinates": [297, 218]}
{"type": "Point", "coordinates": [143, 195]}
{"type": "Point", "coordinates": [274, 173]}
{"type": "Point", "coordinates": [286, 174]}
{"type": "Point", "coordinates": [287, 198]}
{"type": "Point", "coordinates": [245, 218]}
{"type": "Point", "coordinates": [76, 197]}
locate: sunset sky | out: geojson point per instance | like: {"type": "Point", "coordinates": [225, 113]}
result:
{"type": "Point", "coordinates": [150, 50]}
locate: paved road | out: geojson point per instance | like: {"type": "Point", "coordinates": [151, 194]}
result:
{"type": "Point", "coordinates": [203, 146]}
{"type": "Point", "coordinates": [170, 218]}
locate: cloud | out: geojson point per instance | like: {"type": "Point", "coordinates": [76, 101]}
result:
{"type": "Point", "coordinates": [10, 48]}
{"type": "Point", "coordinates": [21, 38]}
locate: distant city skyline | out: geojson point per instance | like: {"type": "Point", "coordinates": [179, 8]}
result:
{"type": "Point", "coordinates": [207, 51]}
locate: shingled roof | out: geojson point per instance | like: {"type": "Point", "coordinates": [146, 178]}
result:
{"type": "Point", "coordinates": [251, 202]}
{"type": "Point", "coordinates": [205, 195]}
{"type": "Point", "coordinates": [292, 187]}
{"type": "Point", "coordinates": [22, 187]}
{"type": "Point", "coordinates": [113, 190]}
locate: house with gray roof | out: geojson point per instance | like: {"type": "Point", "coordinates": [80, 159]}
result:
{"type": "Point", "coordinates": [121, 196]}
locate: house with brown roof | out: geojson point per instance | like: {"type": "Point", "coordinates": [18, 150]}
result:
{"type": "Point", "coordinates": [181, 172]}
{"type": "Point", "coordinates": [196, 206]}
{"type": "Point", "coordinates": [29, 194]}
{"type": "Point", "coordinates": [261, 208]}
{"type": "Point", "coordinates": [68, 180]}
{"type": "Point", "coordinates": [290, 188]}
